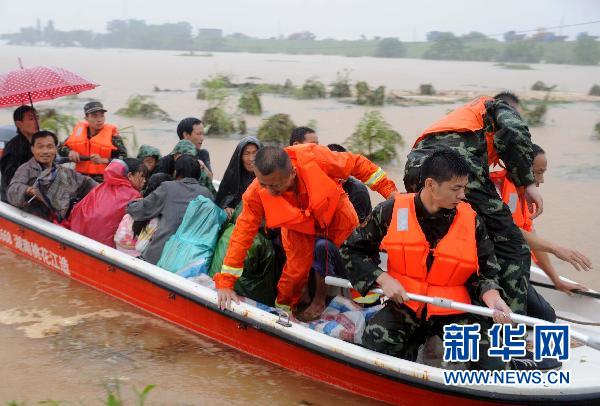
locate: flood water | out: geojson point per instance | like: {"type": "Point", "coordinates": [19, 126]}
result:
{"type": "Point", "coordinates": [64, 341]}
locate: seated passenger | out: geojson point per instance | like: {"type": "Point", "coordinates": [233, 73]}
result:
{"type": "Point", "coordinates": [98, 215]}
{"type": "Point", "coordinates": [297, 189]}
{"type": "Point", "coordinates": [438, 228]}
{"type": "Point", "coordinates": [191, 129]}
{"type": "Point", "coordinates": [42, 188]}
{"type": "Point", "coordinates": [356, 191]}
{"type": "Point", "coordinates": [93, 143]}
{"type": "Point", "coordinates": [132, 237]}
{"type": "Point", "coordinates": [150, 156]}
{"type": "Point", "coordinates": [169, 202]}
{"type": "Point", "coordinates": [184, 147]}
{"type": "Point", "coordinates": [238, 175]}
{"type": "Point", "coordinates": [18, 150]}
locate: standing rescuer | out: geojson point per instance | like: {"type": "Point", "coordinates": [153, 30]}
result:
{"type": "Point", "coordinates": [297, 189]}
{"type": "Point", "coordinates": [484, 132]}
{"type": "Point", "coordinates": [93, 143]}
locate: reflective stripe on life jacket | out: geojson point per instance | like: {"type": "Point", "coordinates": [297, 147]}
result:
{"type": "Point", "coordinates": [468, 118]}
{"type": "Point", "coordinates": [100, 144]}
{"type": "Point", "coordinates": [455, 256]}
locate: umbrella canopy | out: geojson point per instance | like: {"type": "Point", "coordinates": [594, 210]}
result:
{"type": "Point", "coordinates": [39, 83]}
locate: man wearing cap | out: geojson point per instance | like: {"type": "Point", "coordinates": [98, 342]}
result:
{"type": "Point", "coordinates": [93, 143]}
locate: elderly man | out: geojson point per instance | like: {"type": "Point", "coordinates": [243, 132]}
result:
{"type": "Point", "coordinates": [41, 187]}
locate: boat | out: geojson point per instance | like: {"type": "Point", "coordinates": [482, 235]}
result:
{"type": "Point", "coordinates": [272, 337]}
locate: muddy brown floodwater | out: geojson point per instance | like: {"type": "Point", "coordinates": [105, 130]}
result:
{"type": "Point", "coordinates": [61, 340]}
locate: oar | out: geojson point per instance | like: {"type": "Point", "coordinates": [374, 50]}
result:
{"type": "Point", "coordinates": [590, 341]}
{"type": "Point", "coordinates": [595, 295]}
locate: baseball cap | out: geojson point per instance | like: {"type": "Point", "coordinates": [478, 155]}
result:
{"type": "Point", "coordinates": [93, 107]}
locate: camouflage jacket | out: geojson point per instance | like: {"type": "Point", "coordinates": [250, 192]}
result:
{"type": "Point", "coordinates": [360, 252]}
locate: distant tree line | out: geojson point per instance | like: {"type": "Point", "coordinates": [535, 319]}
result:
{"type": "Point", "coordinates": [475, 46]}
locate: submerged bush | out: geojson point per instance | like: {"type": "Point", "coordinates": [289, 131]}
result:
{"type": "Point", "coordinates": [52, 120]}
{"type": "Point", "coordinates": [597, 130]}
{"type": "Point", "coordinates": [375, 139]}
{"type": "Point", "coordinates": [311, 89]}
{"type": "Point", "coordinates": [218, 122]}
{"type": "Point", "coordinates": [367, 97]}
{"type": "Point", "coordinates": [144, 107]}
{"type": "Point", "coordinates": [535, 116]}
{"type": "Point", "coordinates": [276, 130]}
{"type": "Point", "coordinates": [341, 86]}
{"type": "Point", "coordinates": [541, 86]}
{"type": "Point", "coordinates": [250, 102]}
{"type": "Point", "coordinates": [595, 91]}
{"type": "Point", "coordinates": [426, 89]}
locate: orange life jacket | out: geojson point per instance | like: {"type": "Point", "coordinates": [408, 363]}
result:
{"type": "Point", "coordinates": [514, 198]}
{"type": "Point", "coordinates": [455, 256]}
{"type": "Point", "coordinates": [323, 194]}
{"type": "Point", "coordinates": [100, 144]}
{"type": "Point", "coordinates": [468, 118]}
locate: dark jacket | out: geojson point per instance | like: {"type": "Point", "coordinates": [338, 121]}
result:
{"type": "Point", "coordinates": [359, 197]}
{"type": "Point", "coordinates": [16, 153]}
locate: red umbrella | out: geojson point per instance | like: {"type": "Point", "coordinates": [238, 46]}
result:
{"type": "Point", "coordinates": [39, 83]}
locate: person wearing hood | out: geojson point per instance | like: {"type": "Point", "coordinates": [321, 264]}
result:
{"type": "Point", "coordinates": [98, 215]}
{"type": "Point", "coordinates": [150, 156]}
{"type": "Point", "coordinates": [185, 147]}
{"type": "Point", "coordinates": [169, 202]}
{"type": "Point", "coordinates": [238, 175]}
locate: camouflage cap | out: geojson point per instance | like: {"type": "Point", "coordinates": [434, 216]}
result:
{"type": "Point", "coordinates": [148, 150]}
{"type": "Point", "coordinates": [184, 147]}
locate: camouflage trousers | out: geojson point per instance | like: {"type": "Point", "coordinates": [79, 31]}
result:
{"type": "Point", "coordinates": [512, 251]}
{"type": "Point", "coordinates": [397, 331]}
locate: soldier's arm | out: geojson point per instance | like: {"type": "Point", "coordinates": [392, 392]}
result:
{"type": "Point", "coordinates": [121, 151]}
{"type": "Point", "coordinates": [513, 143]}
{"type": "Point", "coordinates": [487, 277]}
{"type": "Point", "coordinates": [360, 252]}
{"type": "Point", "coordinates": [342, 165]}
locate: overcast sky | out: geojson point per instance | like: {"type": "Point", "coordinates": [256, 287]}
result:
{"type": "Point", "coordinates": [347, 19]}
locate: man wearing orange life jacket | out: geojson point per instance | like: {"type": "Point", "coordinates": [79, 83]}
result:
{"type": "Point", "coordinates": [93, 143]}
{"type": "Point", "coordinates": [537, 306]}
{"type": "Point", "coordinates": [483, 132]}
{"type": "Point", "coordinates": [437, 246]}
{"type": "Point", "coordinates": [298, 190]}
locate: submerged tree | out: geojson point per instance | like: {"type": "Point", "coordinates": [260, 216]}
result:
{"type": "Point", "coordinates": [341, 86]}
{"type": "Point", "coordinates": [144, 107]}
{"type": "Point", "coordinates": [218, 122]}
{"type": "Point", "coordinates": [311, 89]}
{"type": "Point", "coordinates": [594, 91]}
{"type": "Point", "coordinates": [52, 120]}
{"type": "Point", "coordinates": [276, 130]}
{"type": "Point", "coordinates": [368, 97]}
{"type": "Point", "coordinates": [375, 139]}
{"type": "Point", "coordinates": [250, 102]}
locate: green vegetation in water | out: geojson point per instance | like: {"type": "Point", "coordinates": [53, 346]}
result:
{"type": "Point", "coordinates": [242, 126]}
{"type": "Point", "coordinates": [341, 87]}
{"type": "Point", "coordinates": [594, 91]}
{"type": "Point", "coordinates": [215, 89]}
{"type": "Point", "coordinates": [541, 86]}
{"type": "Point", "coordinates": [250, 102]}
{"type": "Point", "coordinates": [514, 66]}
{"type": "Point", "coordinates": [375, 139]}
{"type": "Point", "coordinates": [52, 120]}
{"type": "Point", "coordinates": [311, 89]}
{"type": "Point", "coordinates": [597, 130]}
{"type": "Point", "coordinates": [144, 107]}
{"type": "Point", "coordinates": [426, 89]}
{"type": "Point", "coordinates": [534, 113]}
{"type": "Point", "coordinates": [367, 97]}
{"type": "Point", "coordinates": [218, 122]}
{"type": "Point", "coordinates": [276, 130]}
{"type": "Point", "coordinates": [113, 397]}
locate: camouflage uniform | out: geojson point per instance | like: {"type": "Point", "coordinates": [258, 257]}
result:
{"type": "Point", "coordinates": [396, 330]}
{"type": "Point", "coordinates": [512, 141]}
